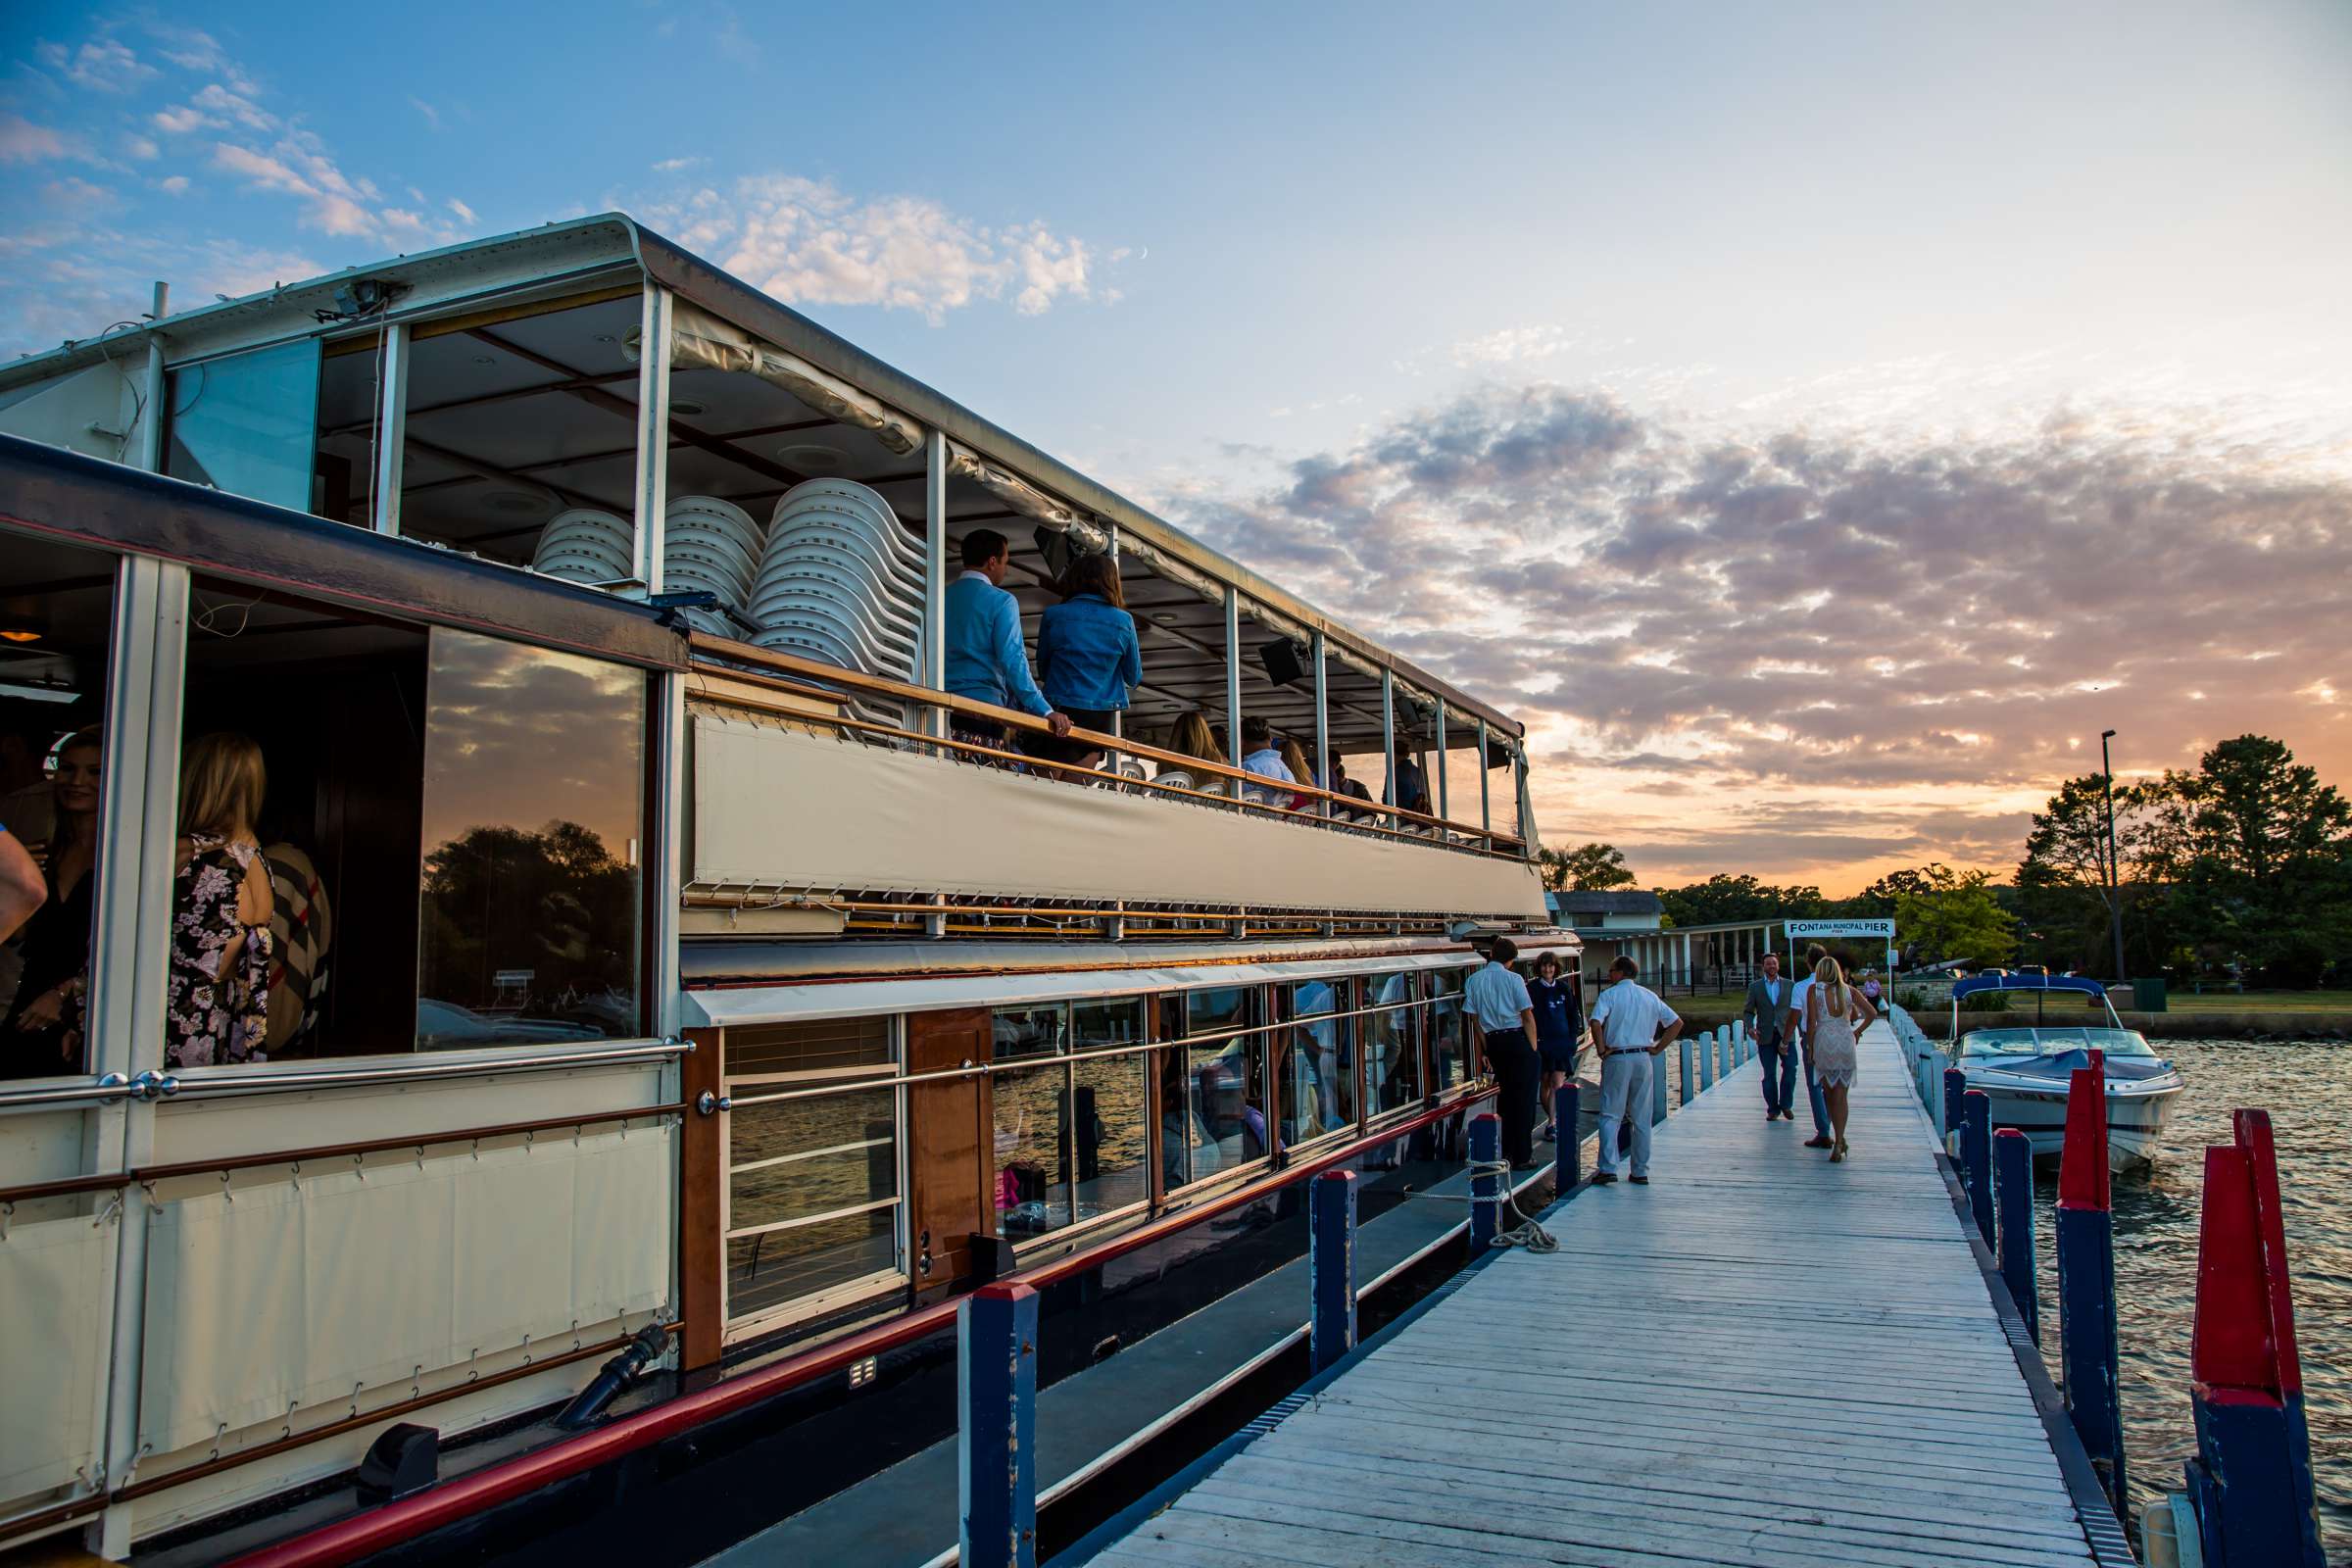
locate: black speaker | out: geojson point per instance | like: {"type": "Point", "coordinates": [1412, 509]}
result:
{"type": "Point", "coordinates": [1055, 546]}
{"type": "Point", "coordinates": [1285, 661]}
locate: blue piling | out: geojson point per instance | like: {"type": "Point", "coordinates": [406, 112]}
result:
{"type": "Point", "coordinates": [1486, 1187]}
{"type": "Point", "coordinates": [1657, 1089]}
{"type": "Point", "coordinates": [2013, 1196]}
{"type": "Point", "coordinates": [2251, 1480]}
{"type": "Point", "coordinates": [1331, 1267]}
{"type": "Point", "coordinates": [2086, 1348]}
{"type": "Point", "coordinates": [1722, 1040]}
{"type": "Point", "coordinates": [1689, 1083]}
{"type": "Point", "coordinates": [1975, 1159]}
{"type": "Point", "coordinates": [996, 1450]}
{"type": "Point", "coordinates": [1566, 1152]}
{"type": "Point", "coordinates": [1955, 1084]}
{"type": "Point", "coordinates": [1706, 1064]}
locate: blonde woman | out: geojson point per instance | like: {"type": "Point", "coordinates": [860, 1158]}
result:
{"type": "Point", "coordinates": [1294, 758]}
{"type": "Point", "coordinates": [1835, 1014]}
{"type": "Point", "coordinates": [216, 998]}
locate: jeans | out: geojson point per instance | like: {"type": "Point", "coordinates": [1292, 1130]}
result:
{"type": "Point", "coordinates": [1516, 1084]}
{"type": "Point", "coordinates": [1815, 1102]}
{"type": "Point", "coordinates": [1779, 1074]}
{"type": "Point", "coordinates": [1625, 1102]}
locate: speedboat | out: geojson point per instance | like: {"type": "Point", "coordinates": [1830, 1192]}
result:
{"type": "Point", "coordinates": [2026, 1070]}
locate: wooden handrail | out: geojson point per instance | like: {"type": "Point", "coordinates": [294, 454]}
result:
{"type": "Point", "coordinates": [715, 647]}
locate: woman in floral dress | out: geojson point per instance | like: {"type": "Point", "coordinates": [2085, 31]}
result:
{"type": "Point", "coordinates": [217, 1003]}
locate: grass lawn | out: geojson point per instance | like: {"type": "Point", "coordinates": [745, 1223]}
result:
{"type": "Point", "coordinates": [2260, 1001]}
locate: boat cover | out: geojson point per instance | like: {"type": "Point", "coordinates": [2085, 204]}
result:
{"type": "Point", "coordinates": [2028, 982]}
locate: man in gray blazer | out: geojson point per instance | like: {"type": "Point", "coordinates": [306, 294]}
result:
{"type": "Point", "coordinates": [1764, 1014]}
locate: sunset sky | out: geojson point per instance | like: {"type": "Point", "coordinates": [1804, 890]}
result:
{"type": "Point", "coordinates": [1818, 422]}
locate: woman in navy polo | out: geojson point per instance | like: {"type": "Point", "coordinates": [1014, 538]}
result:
{"type": "Point", "coordinates": [1559, 1031]}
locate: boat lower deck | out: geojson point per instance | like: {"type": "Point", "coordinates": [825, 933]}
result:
{"type": "Point", "coordinates": [1762, 1359]}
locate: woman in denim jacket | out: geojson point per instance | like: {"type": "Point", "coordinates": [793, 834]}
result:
{"type": "Point", "coordinates": [1088, 658]}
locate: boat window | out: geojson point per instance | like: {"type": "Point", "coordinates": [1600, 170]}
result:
{"type": "Point", "coordinates": [1448, 1032]}
{"type": "Point", "coordinates": [1317, 1063]}
{"type": "Point", "coordinates": [56, 612]}
{"type": "Point", "coordinates": [246, 423]}
{"type": "Point", "coordinates": [2045, 1042]}
{"type": "Point", "coordinates": [813, 1183]}
{"type": "Point", "coordinates": [525, 420]}
{"type": "Point", "coordinates": [1391, 1053]}
{"type": "Point", "coordinates": [535, 803]}
{"type": "Point", "coordinates": [1069, 1135]}
{"type": "Point", "coordinates": [1215, 1121]}
{"type": "Point", "coordinates": [448, 827]}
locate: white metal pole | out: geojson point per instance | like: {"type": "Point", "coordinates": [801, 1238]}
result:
{"type": "Point", "coordinates": [653, 434]}
{"type": "Point", "coordinates": [1387, 740]}
{"type": "Point", "coordinates": [1445, 812]}
{"type": "Point", "coordinates": [391, 428]}
{"type": "Point", "coordinates": [1486, 805]}
{"type": "Point", "coordinates": [935, 572]}
{"type": "Point", "coordinates": [1233, 677]}
{"type": "Point", "coordinates": [1322, 725]}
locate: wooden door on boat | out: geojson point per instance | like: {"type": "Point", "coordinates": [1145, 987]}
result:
{"type": "Point", "coordinates": [949, 1128]}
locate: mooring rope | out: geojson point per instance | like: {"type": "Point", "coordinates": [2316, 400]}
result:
{"type": "Point", "coordinates": [1527, 1233]}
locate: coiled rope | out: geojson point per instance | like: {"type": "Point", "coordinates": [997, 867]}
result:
{"type": "Point", "coordinates": [1527, 1233]}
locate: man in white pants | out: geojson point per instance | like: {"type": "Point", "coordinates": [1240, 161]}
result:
{"type": "Point", "coordinates": [1626, 1025]}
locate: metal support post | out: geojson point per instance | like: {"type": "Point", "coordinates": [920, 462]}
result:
{"type": "Point", "coordinates": [1322, 765]}
{"type": "Point", "coordinates": [652, 435]}
{"type": "Point", "coordinates": [1485, 803]}
{"type": "Point", "coordinates": [1486, 1187]}
{"type": "Point", "coordinates": [2251, 1480]}
{"type": "Point", "coordinates": [391, 429]}
{"type": "Point", "coordinates": [2013, 1196]}
{"type": "Point", "coordinates": [2086, 1341]}
{"type": "Point", "coordinates": [1331, 1267]}
{"type": "Point", "coordinates": [1567, 1141]}
{"type": "Point", "coordinates": [1233, 679]}
{"type": "Point", "coordinates": [996, 1458]}
{"type": "Point", "coordinates": [1690, 1084]}
{"type": "Point", "coordinates": [1444, 807]}
{"type": "Point", "coordinates": [1387, 742]}
{"type": "Point", "coordinates": [1975, 1159]}
{"type": "Point", "coordinates": [935, 573]}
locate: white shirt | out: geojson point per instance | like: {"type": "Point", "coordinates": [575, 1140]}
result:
{"type": "Point", "coordinates": [1796, 1004]}
{"type": "Point", "coordinates": [1496, 997]}
{"type": "Point", "coordinates": [1630, 1016]}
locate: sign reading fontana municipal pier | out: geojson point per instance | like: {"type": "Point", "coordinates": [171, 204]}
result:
{"type": "Point", "coordinates": [1841, 928]}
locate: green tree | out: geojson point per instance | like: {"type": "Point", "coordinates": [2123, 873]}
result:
{"type": "Point", "coordinates": [1956, 916]}
{"type": "Point", "coordinates": [1721, 897]}
{"type": "Point", "coordinates": [2261, 856]}
{"type": "Point", "coordinates": [2062, 882]}
{"type": "Point", "coordinates": [1586, 868]}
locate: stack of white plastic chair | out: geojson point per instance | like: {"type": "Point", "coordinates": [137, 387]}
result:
{"type": "Point", "coordinates": [840, 581]}
{"type": "Point", "coordinates": [585, 545]}
{"type": "Point", "coordinates": [709, 544]}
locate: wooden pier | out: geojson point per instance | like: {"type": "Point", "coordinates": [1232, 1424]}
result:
{"type": "Point", "coordinates": [1761, 1360]}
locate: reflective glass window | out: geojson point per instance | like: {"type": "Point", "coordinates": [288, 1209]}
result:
{"type": "Point", "coordinates": [1317, 1063]}
{"type": "Point", "coordinates": [534, 784]}
{"type": "Point", "coordinates": [1108, 1107]}
{"type": "Point", "coordinates": [1223, 1122]}
{"type": "Point", "coordinates": [247, 423]}
{"type": "Point", "coordinates": [1391, 1052]}
{"type": "Point", "coordinates": [1449, 1030]}
{"type": "Point", "coordinates": [56, 616]}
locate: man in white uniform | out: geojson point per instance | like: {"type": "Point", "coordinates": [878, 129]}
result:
{"type": "Point", "coordinates": [1498, 998]}
{"type": "Point", "coordinates": [1626, 1030]}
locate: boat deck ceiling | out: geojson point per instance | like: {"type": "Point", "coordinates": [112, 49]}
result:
{"type": "Point", "coordinates": [512, 421]}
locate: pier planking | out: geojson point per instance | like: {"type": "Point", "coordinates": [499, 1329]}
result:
{"type": "Point", "coordinates": [1762, 1359]}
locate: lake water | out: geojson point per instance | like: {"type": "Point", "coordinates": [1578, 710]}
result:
{"type": "Point", "coordinates": [2307, 1088]}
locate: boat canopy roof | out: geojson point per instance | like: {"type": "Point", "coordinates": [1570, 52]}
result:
{"type": "Point", "coordinates": [2028, 982]}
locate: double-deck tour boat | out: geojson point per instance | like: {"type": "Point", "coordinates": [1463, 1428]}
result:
{"type": "Point", "coordinates": [665, 973]}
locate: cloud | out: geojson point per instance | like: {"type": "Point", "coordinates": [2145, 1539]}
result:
{"type": "Point", "coordinates": [179, 121]}
{"type": "Point", "coordinates": [465, 212]}
{"type": "Point", "coordinates": [807, 242]}
{"type": "Point", "coordinates": [333, 203]}
{"type": "Point", "coordinates": [174, 185]}
{"type": "Point", "coordinates": [672, 166]}
{"type": "Point", "coordinates": [1777, 616]}
{"type": "Point", "coordinates": [432, 115]}
{"type": "Point", "coordinates": [102, 63]}
{"type": "Point", "coordinates": [216, 100]}
{"type": "Point", "coordinates": [24, 142]}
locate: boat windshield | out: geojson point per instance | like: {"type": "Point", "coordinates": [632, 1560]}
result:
{"type": "Point", "coordinates": [2045, 1042]}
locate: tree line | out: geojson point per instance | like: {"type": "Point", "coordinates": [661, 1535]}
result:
{"type": "Point", "coordinates": [2242, 865]}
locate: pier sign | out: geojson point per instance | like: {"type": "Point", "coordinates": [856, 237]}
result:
{"type": "Point", "coordinates": [1840, 928]}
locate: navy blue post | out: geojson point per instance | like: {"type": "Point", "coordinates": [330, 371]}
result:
{"type": "Point", "coordinates": [2251, 1480]}
{"type": "Point", "coordinates": [1331, 1267]}
{"type": "Point", "coordinates": [1568, 1146]}
{"type": "Point", "coordinates": [996, 1447]}
{"type": "Point", "coordinates": [1955, 1084]}
{"type": "Point", "coordinates": [1485, 1185]}
{"type": "Point", "coordinates": [2087, 1348]}
{"type": "Point", "coordinates": [1975, 1159]}
{"type": "Point", "coordinates": [2013, 1196]}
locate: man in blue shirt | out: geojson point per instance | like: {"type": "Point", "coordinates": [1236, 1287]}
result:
{"type": "Point", "coordinates": [985, 660]}
{"type": "Point", "coordinates": [1498, 998]}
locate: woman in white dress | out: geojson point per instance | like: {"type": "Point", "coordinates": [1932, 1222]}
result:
{"type": "Point", "coordinates": [1835, 1014]}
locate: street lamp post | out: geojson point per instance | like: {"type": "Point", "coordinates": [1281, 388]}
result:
{"type": "Point", "coordinates": [2115, 905]}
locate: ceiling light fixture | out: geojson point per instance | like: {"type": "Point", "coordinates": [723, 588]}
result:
{"type": "Point", "coordinates": [688, 405]}
{"type": "Point", "coordinates": [20, 634]}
